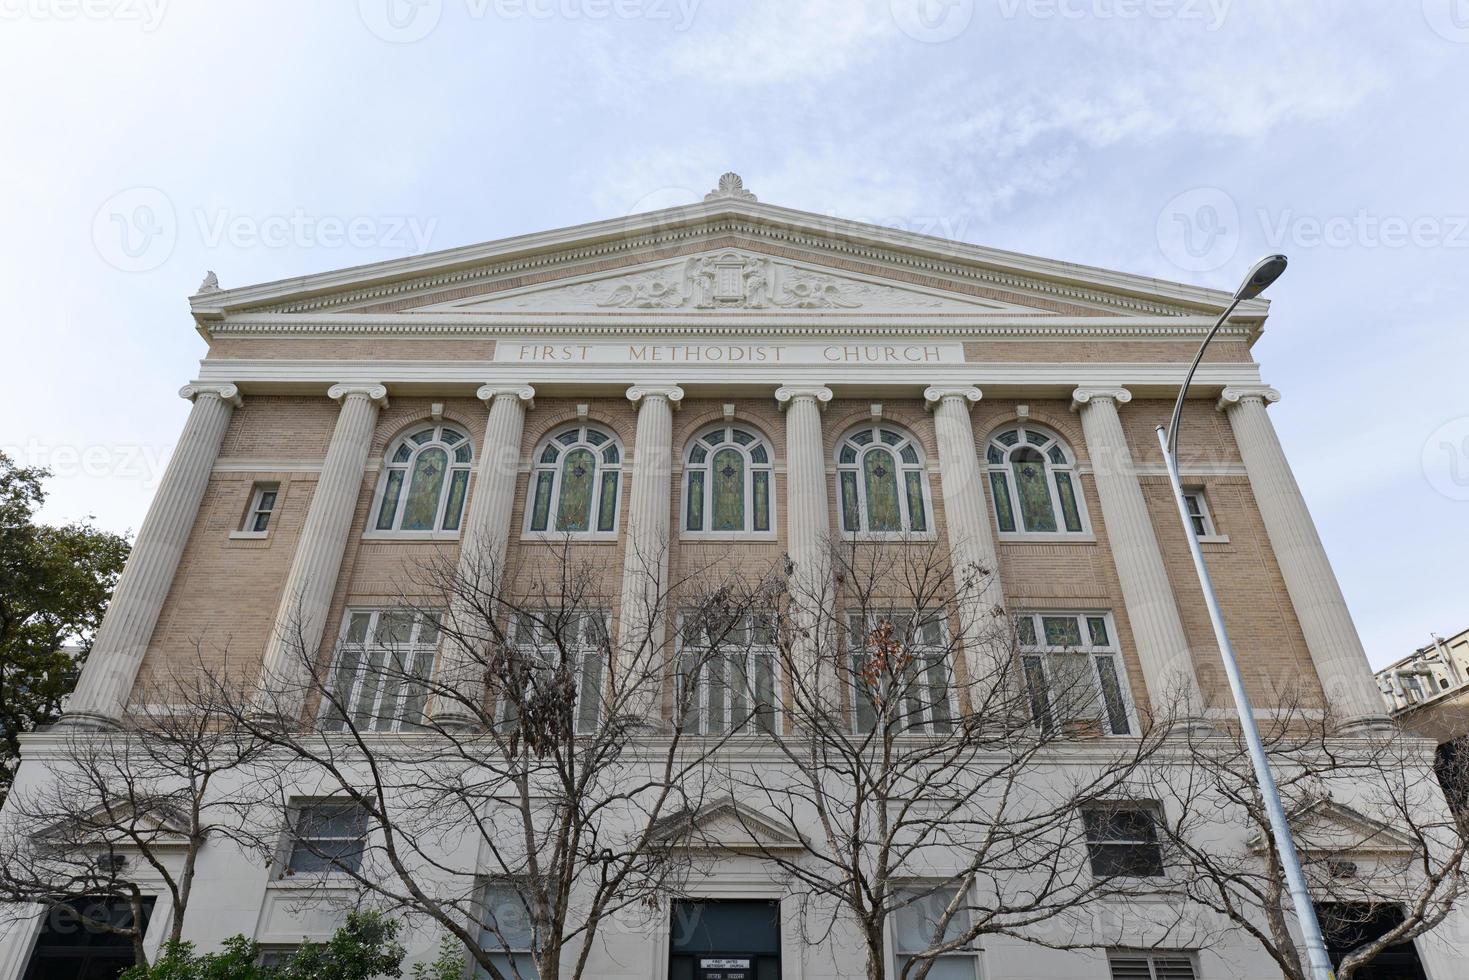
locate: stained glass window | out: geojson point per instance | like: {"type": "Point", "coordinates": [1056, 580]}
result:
{"type": "Point", "coordinates": [727, 473]}
{"type": "Point", "coordinates": [425, 481]}
{"type": "Point", "coordinates": [1032, 482]}
{"type": "Point", "coordinates": [575, 483]}
{"type": "Point", "coordinates": [881, 481]}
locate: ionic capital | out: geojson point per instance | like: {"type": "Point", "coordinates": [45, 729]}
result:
{"type": "Point", "coordinates": [225, 393]}
{"type": "Point", "coordinates": [786, 395]}
{"type": "Point", "coordinates": [373, 392]}
{"type": "Point", "coordinates": [1085, 396]}
{"type": "Point", "coordinates": [1237, 395]}
{"type": "Point", "coordinates": [935, 394]}
{"type": "Point", "coordinates": [673, 393]}
{"type": "Point", "coordinates": [488, 393]}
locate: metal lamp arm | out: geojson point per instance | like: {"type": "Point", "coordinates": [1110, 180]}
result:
{"type": "Point", "coordinates": [1172, 445]}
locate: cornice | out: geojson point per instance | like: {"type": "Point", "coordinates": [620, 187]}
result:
{"type": "Point", "coordinates": [483, 263]}
{"type": "Point", "coordinates": [643, 324]}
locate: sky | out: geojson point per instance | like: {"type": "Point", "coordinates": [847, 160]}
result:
{"type": "Point", "coordinates": [143, 142]}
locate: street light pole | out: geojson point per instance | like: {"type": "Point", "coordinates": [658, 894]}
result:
{"type": "Point", "coordinates": [1264, 272]}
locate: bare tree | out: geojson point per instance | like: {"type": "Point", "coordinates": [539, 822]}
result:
{"type": "Point", "coordinates": [515, 796]}
{"type": "Point", "coordinates": [1374, 833]}
{"type": "Point", "coordinates": [126, 811]}
{"type": "Point", "coordinates": [929, 770]}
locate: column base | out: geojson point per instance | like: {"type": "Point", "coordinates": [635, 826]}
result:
{"type": "Point", "coordinates": [85, 721]}
{"type": "Point", "coordinates": [1369, 725]}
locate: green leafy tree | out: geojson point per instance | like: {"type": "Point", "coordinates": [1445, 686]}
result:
{"type": "Point", "coordinates": [364, 948]}
{"type": "Point", "coordinates": [54, 587]}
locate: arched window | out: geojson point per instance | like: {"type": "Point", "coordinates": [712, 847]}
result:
{"type": "Point", "coordinates": [574, 486]}
{"type": "Point", "coordinates": [1032, 480]}
{"type": "Point", "coordinates": [727, 480]}
{"type": "Point", "coordinates": [881, 482]}
{"type": "Point", "coordinates": [425, 479]}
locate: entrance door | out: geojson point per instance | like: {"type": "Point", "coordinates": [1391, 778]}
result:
{"type": "Point", "coordinates": [80, 940]}
{"type": "Point", "coordinates": [725, 940]}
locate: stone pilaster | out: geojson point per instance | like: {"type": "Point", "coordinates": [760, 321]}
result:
{"type": "Point", "coordinates": [808, 522]}
{"type": "Point", "coordinates": [486, 537]}
{"type": "Point", "coordinates": [1320, 607]}
{"type": "Point", "coordinates": [971, 542]}
{"type": "Point", "coordinates": [300, 619]}
{"type": "Point", "coordinates": [111, 669]}
{"type": "Point", "coordinates": [643, 620]}
{"type": "Point", "coordinates": [1157, 629]}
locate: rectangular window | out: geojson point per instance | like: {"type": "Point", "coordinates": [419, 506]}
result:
{"type": "Point", "coordinates": [507, 931]}
{"type": "Point", "coordinates": [727, 674]}
{"type": "Point", "coordinates": [325, 836]}
{"type": "Point", "coordinates": [916, 930]}
{"type": "Point", "coordinates": [1122, 840]}
{"type": "Point", "coordinates": [384, 661]}
{"type": "Point", "coordinates": [900, 670]}
{"type": "Point", "coordinates": [1174, 964]}
{"type": "Point", "coordinates": [262, 506]}
{"type": "Point", "coordinates": [275, 956]}
{"type": "Point", "coordinates": [1198, 512]}
{"type": "Point", "coordinates": [1073, 670]}
{"type": "Point", "coordinates": [548, 641]}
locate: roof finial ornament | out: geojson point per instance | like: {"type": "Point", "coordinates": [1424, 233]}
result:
{"type": "Point", "coordinates": [731, 185]}
{"type": "Point", "coordinates": [210, 283]}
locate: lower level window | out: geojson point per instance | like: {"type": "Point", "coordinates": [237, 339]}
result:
{"type": "Point", "coordinates": [917, 929]}
{"type": "Point", "coordinates": [726, 674]}
{"type": "Point", "coordinates": [900, 671]}
{"type": "Point", "coordinates": [1073, 670]}
{"type": "Point", "coordinates": [326, 836]}
{"type": "Point", "coordinates": [1151, 965]}
{"type": "Point", "coordinates": [1122, 840]}
{"type": "Point", "coordinates": [507, 931]}
{"type": "Point", "coordinates": [383, 664]}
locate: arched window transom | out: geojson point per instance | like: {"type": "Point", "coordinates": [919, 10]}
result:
{"type": "Point", "coordinates": [425, 480]}
{"type": "Point", "coordinates": [1033, 483]}
{"type": "Point", "coordinates": [881, 482]}
{"type": "Point", "coordinates": [727, 482]}
{"type": "Point", "coordinates": [576, 482]}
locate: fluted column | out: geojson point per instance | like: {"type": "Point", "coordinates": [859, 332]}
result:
{"type": "Point", "coordinates": [971, 542]}
{"type": "Point", "coordinates": [112, 666]}
{"type": "Point", "coordinates": [486, 537]}
{"type": "Point", "coordinates": [644, 618]}
{"type": "Point", "coordinates": [301, 617]}
{"type": "Point", "coordinates": [1321, 609]}
{"type": "Point", "coordinates": [1157, 630]}
{"type": "Point", "coordinates": [808, 524]}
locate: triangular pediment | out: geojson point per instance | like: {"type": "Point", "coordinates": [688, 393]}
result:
{"type": "Point", "coordinates": [726, 825]}
{"type": "Point", "coordinates": [728, 254]}
{"type": "Point", "coordinates": [1326, 827]}
{"type": "Point", "coordinates": [120, 826]}
{"type": "Point", "coordinates": [722, 280]}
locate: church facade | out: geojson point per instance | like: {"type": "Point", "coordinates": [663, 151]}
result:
{"type": "Point", "coordinates": [725, 384]}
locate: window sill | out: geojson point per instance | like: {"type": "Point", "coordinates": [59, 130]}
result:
{"type": "Point", "coordinates": [1036, 537]}
{"type": "Point", "coordinates": [565, 537]}
{"type": "Point", "coordinates": [410, 536]}
{"type": "Point", "coordinates": [765, 536]}
{"type": "Point", "coordinates": [1213, 539]}
{"type": "Point", "coordinates": [249, 535]}
{"type": "Point", "coordinates": [310, 880]}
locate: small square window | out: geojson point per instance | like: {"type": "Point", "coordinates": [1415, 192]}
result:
{"type": "Point", "coordinates": [1122, 840]}
{"type": "Point", "coordinates": [263, 497]}
{"type": "Point", "coordinates": [325, 836]}
{"type": "Point", "coordinates": [1198, 512]}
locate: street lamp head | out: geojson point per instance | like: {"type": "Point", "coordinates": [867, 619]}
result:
{"type": "Point", "coordinates": [1260, 276]}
